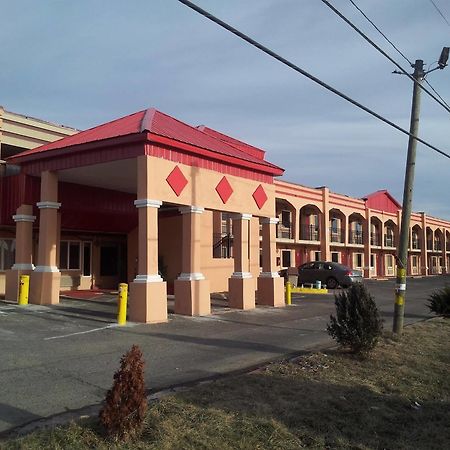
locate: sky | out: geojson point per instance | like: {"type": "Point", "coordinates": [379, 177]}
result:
{"type": "Point", "coordinates": [87, 62]}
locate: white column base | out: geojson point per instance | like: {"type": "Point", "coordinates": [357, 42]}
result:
{"type": "Point", "coordinates": [241, 275]}
{"type": "Point", "coordinates": [46, 269]}
{"type": "Point", "coordinates": [152, 278]}
{"type": "Point", "coordinates": [191, 276]}
{"type": "Point", "coordinates": [22, 266]}
{"type": "Point", "coordinates": [269, 275]}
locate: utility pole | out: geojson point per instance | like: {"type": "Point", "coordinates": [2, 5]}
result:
{"type": "Point", "coordinates": [402, 254]}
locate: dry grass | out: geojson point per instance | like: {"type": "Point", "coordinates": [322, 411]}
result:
{"type": "Point", "coordinates": [398, 398]}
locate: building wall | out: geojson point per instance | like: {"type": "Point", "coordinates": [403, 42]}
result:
{"type": "Point", "coordinates": [374, 258]}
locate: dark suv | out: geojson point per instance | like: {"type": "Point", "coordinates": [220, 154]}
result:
{"type": "Point", "coordinates": [329, 273]}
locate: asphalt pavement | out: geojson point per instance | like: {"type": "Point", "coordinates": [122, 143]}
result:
{"type": "Point", "coordinates": [58, 359]}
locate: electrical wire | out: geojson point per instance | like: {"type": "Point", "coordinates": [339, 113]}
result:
{"type": "Point", "coordinates": [434, 90]}
{"type": "Point", "coordinates": [305, 73]}
{"type": "Point", "coordinates": [398, 50]}
{"type": "Point", "coordinates": [382, 34]}
{"type": "Point", "coordinates": [440, 12]}
{"type": "Point", "coordinates": [366, 38]}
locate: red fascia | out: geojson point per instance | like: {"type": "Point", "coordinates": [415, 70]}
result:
{"type": "Point", "coordinates": [88, 146]}
{"type": "Point", "coordinates": [272, 170]}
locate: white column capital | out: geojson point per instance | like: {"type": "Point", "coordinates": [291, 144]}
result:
{"type": "Point", "coordinates": [191, 210]}
{"type": "Point", "coordinates": [239, 216]}
{"type": "Point", "coordinates": [48, 205]}
{"type": "Point", "coordinates": [23, 218]}
{"type": "Point", "coordinates": [271, 220]}
{"type": "Point", "coordinates": [147, 203]}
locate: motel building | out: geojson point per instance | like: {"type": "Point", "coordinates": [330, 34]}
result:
{"type": "Point", "coordinates": [180, 210]}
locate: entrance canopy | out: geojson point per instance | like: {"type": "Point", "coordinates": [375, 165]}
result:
{"type": "Point", "coordinates": [105, 156]}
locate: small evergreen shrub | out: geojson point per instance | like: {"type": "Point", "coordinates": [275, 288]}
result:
{"type": "Point", "coordinates": [439, 302]}
{"type": "Point", "coordinates": [357, 324]}
{"type": "Point", "coordinates": [126, 402]}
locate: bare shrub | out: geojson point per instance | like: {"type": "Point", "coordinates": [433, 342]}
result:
{"type": "Point", "coordinates": [126, 403]}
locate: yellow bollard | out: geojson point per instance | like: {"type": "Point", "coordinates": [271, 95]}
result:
{"type": "Point", "coordinates": [288, 293]}
{"type": "Point", "coordinates": [24, 288]}
{"type": "Point", "coordinates": [123, 298]}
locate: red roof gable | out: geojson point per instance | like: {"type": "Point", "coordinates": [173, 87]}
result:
{"type": "Point", "coordinates": [155, 123]}
{"type": "Point", "coordinates": [382, 201]}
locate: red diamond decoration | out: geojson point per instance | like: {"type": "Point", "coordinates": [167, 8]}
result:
{"type": "Point", "coordinates": [224, 189]}
{"type": "Point", "coordinates": [177, 181]}
{"type": "Point", "coordinates": [260, 196]}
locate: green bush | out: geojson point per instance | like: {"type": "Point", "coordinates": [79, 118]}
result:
{"type": "Point", "coordinates": [357, 324]}
{"type": "Point", "coordinates": [439, 302]}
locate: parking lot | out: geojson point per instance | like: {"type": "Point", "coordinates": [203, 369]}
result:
{"type": "Point", "coordinates": [62, 358]}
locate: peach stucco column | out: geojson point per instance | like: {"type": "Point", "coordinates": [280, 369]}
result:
{"type": "Point", "coordinates": [23, 261]}
{"type": "Point", "coordinates": [270, 284]}
{"type": "Point", "coordinates": [254, 247]}
{"type": "Point", "coordinates": [423, 252]}
{"type": "Point", "coordinates": [192, 296]}
{"type": "Point", "coordinates": [45, 280]}
{"type": "Point", "coordinates": [148, 291]}
{"type": "Point", "coordinates": [366, 240]}
{"type": "Point", "coordinates": [241, 285]}
{"type": "Point", "coordinates": [444, 268]}
{"type": "Point", "coordinates": [325, 253]}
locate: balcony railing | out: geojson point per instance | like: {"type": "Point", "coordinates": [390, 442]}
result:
{"type": "Point", "coordinates": [415, 244]}
{"type": "Point", "coordinates": [284, 232]}
{"type": "Point", "coordinates": [356, 237]}
{"type": "Point", "coordinates": [337, 235]}
{"type": "Point", "coordinates": [389, 241]}
{"type": "Point", "coordinates": [310, 233]}
{"type": "Point", "coordinates": [375, 239]}
{"type": "Point", "coordinates": [223, 245]}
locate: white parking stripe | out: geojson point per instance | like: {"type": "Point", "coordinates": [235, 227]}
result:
{"type": "Point", "coordinates": [111, 325]}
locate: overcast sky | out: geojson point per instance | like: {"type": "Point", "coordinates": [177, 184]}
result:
{"type": "Point", "coordinates": [87, 62]}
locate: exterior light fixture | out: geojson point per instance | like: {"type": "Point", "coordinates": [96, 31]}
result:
{"type": "Point", "coordinates": [443, 58]}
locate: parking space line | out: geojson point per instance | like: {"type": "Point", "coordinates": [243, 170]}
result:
{"type": "Point", "coordinates": [111, 325]}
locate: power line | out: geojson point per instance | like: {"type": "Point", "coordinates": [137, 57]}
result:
{"type": "Point", "coordinates": [304, 72]}
{"type": "Point", "coordinates": [404, 72]}
{"type": "Point", "coordinates": [382, 34]}
{"type": "Point", "coordinates": [396, 48]}
{"type": "Point", "coordinates": [440, 12]}
{"type": "Point", "coordinates": [437, 93]}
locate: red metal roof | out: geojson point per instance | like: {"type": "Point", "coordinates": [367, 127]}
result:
{"type": "Point", "coordinates": [155, 123]}
{"type": "Point", "coordinates": [383, 201]}
{"type": "Point", "coordinates": [254, 151]}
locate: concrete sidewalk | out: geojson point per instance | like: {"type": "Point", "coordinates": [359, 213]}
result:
{"type": "Point", "coordinates": [62, 358]}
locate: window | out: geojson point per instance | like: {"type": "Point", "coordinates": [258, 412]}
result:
{"type": "Point", "coordinates": [69, 255]}
{"type": "Point", "coordinates": [335, 257]}
{"type": "Point", "coordinates": [316, 256]}
{"type": "Point", "coordinates": [87, 251]}
{"type": "Point", "coordinates": [358, 259]}
{"type": "Point", "coordinates": [334, 225]}
{"type": "Point", "coordinates": [286, 219]}
{"type": "Point", "coordinates": [286, 258]}
{"type": "Point", "coordinates": [7, 253]}
{"type": "Point", "coordinates": [372, 260]}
